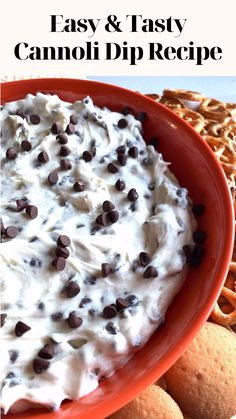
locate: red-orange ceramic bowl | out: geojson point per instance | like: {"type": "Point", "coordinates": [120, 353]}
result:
{"type": "Point", "coordinates": [198, 170]}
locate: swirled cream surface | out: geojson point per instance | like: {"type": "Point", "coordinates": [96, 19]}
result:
{"type": "Point", "coordinates": [93, 229]}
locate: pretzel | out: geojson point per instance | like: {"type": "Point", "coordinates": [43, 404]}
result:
{"type": "Point", "coordinates": [193, 118]}
{"type": "Point", "coordinates": [225, 319]}
{"type": "Point", "coordinates": [213, 109]}
{"type": "Point", "coordinates": [183, 94]}
{"type": "Point", "coordinates": [172, 103]}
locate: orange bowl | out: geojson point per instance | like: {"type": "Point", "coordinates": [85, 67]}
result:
{"type": "Point", "coordinates": [197, 169]}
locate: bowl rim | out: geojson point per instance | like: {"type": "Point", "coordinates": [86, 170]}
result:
{"type": "Point", "coordinates": [228, 249]}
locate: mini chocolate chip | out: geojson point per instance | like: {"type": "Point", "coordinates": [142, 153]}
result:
{"type": "Point", "coordinates": [122, 123]}
{"type": "Point", "coordinates": [198, 209]}
{"type": "Point", "coordinates": [70, 129]}
{"type": "Point", "coordinates": [111, 328]}
{"type": "Point", "coordinates": [43, 157]}
{"type": "Point", "coordinates": [3, 318]}
{"type": "Point", "coordinates": [120, 185]}
{"type": "Point", "coordinates": [84, 301]}
{"type": "Point", "coordinates": [62, 138]}
{"type": "Point", "coordinates": [151, 186]}
{"type": "Point", "coordinates": [74, 321]}
{"type": "Point", "coordinates": [199, 236]}
{"type": "Point", "coordinates": [65, 164]}
{"type": "Point", "coordinates": [40, 365]}
{"type": "Point", "coordinates": [141, 116]}
{"type": "Point", "coordinates": [72, 289]}
{"type": "Point", "coordinates": [26, 145]}
{"type": "Point", "coordinates": [79, 186]}
{"type": "Point", "coordinates": [63, 252]}
{"type": "Point", "coordinates": [113, 216]}
{"type": "Point", "coordinates": [47, 352]}
{"type": "Point", "coordinates": [112, 168]}
{"type": "Point", "coordinates": [41, 306]}
{"type": "Point", "coordinates": [109, 311]}
{"type": "Point", "coordinates": [20, 204]}
{"type": "Point", "coordinates": [133, 300]}
{"type": "Point", "coordinates": [56, 128]}
{"type": "Point", "coordinates": [87, 156]}
{"type": "Point", "coordinates": [11, 154]}
{"type": "Point", "coordinates": [74, 119]}
{"type": "Point", "coordinates": [150, 272]}
{"type": "Point", "coordinates": [93, 151]}
{"type": "Point", "coordinates": [10, 375]}
{"type": "Point", "coordinates": [106, 269]}
{"type": "Point", "coordinates": [63, 241]}
{"type": "Point", "coordinates": [13, 355]}
{"type": "Point", "coordinates": [53, 178]}
{"type": "Point", "coordinates": [133, 152]}
{"type": "Point", "coordinates": [31, 211]}
{"type": "Point", "coordinates": [154, 142]}
{"type": "Point", "coordinates": [11, 232]}
{"type": "Point", "coordinates": [21, 328]}
{"type": "Point", "coordinates": [64, 151]}
{"type": "Point", "coordinates": [121, 149]}
{"type": "Point", "coordinates": [35, 119]}
{"type": "Point", "coordinates": [102, 219]}
{"type": "Point", "coordinates": [144, 258]}
{"type": "Point", "coordinates": [21, 114]}
{"type": "Point", "coordinates": [57, 316]}
{"type": "Point", "coordinates": [122, 159]}
{"type": "Point", "coordinates": [91, 280]}
{"type": "Point", "coordinates": [59, 263]}
{"type": "Point", "coordinates": [122, 303]}
{"type": "Point", "coordinates": [127, 110]}
{"type": "Point", "coordinates": [108, 206]}
{"type": "Point", "coordinates": [132, 195]}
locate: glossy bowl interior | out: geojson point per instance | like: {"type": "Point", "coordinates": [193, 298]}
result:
{"type": "Point", "coordinates": [198, 170]}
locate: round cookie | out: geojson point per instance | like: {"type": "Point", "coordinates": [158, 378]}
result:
{"type": "Point", "coordinates": [203, 380]}
{"type": "Point", "coordinates": [152, 403]}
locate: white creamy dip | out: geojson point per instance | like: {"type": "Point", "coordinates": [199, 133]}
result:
{"type": "Point", "coordinates": [134, 290]}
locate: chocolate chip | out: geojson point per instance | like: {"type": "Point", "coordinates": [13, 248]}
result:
{"type": "Point", "coordinates": [11, 154]}
{"type": "Point", "coordinates": [63, 252]}
{"type": "Point", "coordinates": [53, 178]}
{"type": "Point", "coordinates": [113, 216]}
{"type": "Point", "coordinates": [87, 156]}
{"type": "Point", "coordinates": [198, 209]}
{"type": "Point", "coordinates": [106, 269]}
{"type": "Point", "coordinates": [102, 219]}
{"type": "Point", "coordinates": [26, 145]}
{"type": "Point", "coordinates": [144, 258]}
{"type": "Point", "coordinates": [122, 123]}
{"type": "Point", "coordinates": [120, 185]}
{"type": "Point", "coordinates": [121, 149]}
{"type": "Point", "coordinates": [31, 211]}
{"type": "Point", "coordinates": [47, 352]}
{"type": "Point", "coordinates": [74, 119]}
{"type": "Point", "coordinates": [150, 272]}
{"type": "Point", "coordinates": [111, 328]}
{"type": "Point", "coordinates": [133, 152]}
{"type": "Point", "coordinates": [141, 116]}
{"type": "Point", "coordinates": [112, 168]}
{"type": "Point", "coordinates": [20, 204]}
{"type": "Point", "coordinates": [132, 195]}
{"type": "Point", "coordinates": [127, 110]}
{"type": "Point", "coordinates": [109, 311]}
{"type": "Point", "coordinates": [62, 138]}
{"type": "Point", "coordinates": [70, 129]}
{"type": "Point", "coordinates": [59, 263]}
{"type": "Point", "coordinates": [57, 316]}
{"type": "Point", "coordinates": [63, 241]}
{"type": "Point", "coordinates": [3, 318]}
{"type": "Point", "coordinates": [43, 157]}
{"type": "Point", "coordinates": [194, 254]}
{"type": "Point", "coordinates": [122, 159]}
{"type": "Point", "coordinates": [35, 119]}
{"type": "Point", "coordinates": [21, 114]}
{"type": "Point", "coordinates": [65, 164]}
{"type": "Point", "coordinates": [56, 128]}
{"type": "Point", "coordinates": [108, 206]}
{"type": "Point", "coordinates": [11, 232]}
{"type": "Point", "coordinates": [74, 321]}
{"type": "Point", "coordinates": [72, 289]}
{"type": "Point", "coordinates": [122, 303]}
{"type": "Point", "coordinates": [79, 186]}
{"type": "Point", "coordinates": [199, 236]}
{"type": "Point", "coordinates": [64, 151]}
{"type": "Point", "coordinates": [21, 328]}
{"type": "Point", "coordinates": [40, 365]}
